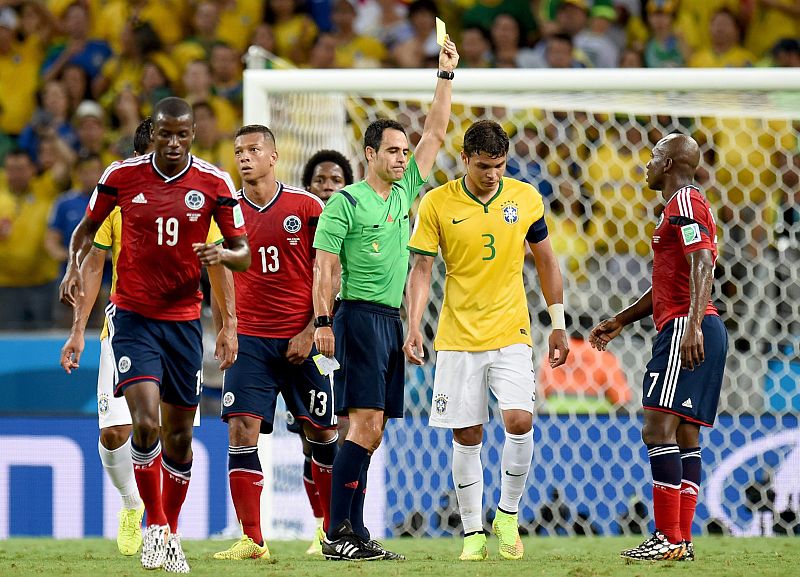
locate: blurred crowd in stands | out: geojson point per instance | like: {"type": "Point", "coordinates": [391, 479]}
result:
{"type": "Point", "coordinates": [77, 77]}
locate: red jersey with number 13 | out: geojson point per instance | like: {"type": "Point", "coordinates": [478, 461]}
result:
{"type": "Point", "coordinates": [273, 297]}
{"type": "Point", "coordinates": [686, 225]}
{"type": "Point", "coordinates": [158, 272]}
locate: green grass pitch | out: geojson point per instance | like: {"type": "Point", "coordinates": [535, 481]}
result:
{"type": "Point", "coordinates": [558, 556]}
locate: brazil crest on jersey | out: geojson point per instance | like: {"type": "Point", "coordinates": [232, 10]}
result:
{"type": "Point", "coordinates": [483, 247]}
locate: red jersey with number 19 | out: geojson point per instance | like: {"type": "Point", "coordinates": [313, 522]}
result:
{"type": "Point", "coordinates": [158, 272]}
{"type": "Point", "coordinates": [686, 225]}
{"type": "Point", "coordinates": [273, 297]}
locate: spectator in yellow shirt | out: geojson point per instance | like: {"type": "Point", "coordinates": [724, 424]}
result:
{"type": "Point", "coordinates": [19, 67]}
{"type": "Point", "coordinates": [772, 20]}
{"type": "Point", "coordinates": [726, 49]}
{"type": "Point", "coordinates": [293, 29]}
{"type": "Point", "coordinates": [197, 85]}
{"type": "Point", "coordinates": [210, 144]}
{"type": "Point", "coordinates": [28, 275]}
{"type": "Point", "coordinates": [354, 50]}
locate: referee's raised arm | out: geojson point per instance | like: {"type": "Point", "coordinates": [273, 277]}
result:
{"type": "Point", "coordinates": [435, 129]}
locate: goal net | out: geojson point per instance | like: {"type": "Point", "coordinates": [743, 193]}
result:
{"type": "Point", "coordinates": [583, 138]}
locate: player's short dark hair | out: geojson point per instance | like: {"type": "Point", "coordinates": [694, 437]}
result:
{"type": "Point", "coordinates": [486, 136]}
{"type": "Point", "coordinates": [374, 133]}
{"type": "Point", "coordinates": [333, 156]}
{"type": "Point", "coordinates": [172, 107]}
{"type": "Point", "coordinates": [256, 129]}
{"type": "Point", "coordinates": [143, 136]}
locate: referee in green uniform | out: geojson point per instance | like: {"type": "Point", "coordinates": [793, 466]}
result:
{"type": "Point", "coordinates": [365, 226]}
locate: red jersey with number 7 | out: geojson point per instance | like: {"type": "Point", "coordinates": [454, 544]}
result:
{"type": "Point", "coordinates": [158, 272]}
{"type": "Point", "coordinates": [685, 225]}
{"type": "Point", "coordinates": [273, 297]}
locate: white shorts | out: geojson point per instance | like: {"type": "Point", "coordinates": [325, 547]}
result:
{"type": "Point", "coordinates": [463, 379]}
{"type": "Point", "coordinates": [113, 411]}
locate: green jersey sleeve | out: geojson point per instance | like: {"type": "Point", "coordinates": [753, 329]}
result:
{"type": "Point", "coordinates": [335, 223]}
{"type": "Point", "coordinates": [412, 181]}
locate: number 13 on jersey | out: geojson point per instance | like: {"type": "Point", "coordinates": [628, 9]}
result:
{"type": "Point", "coordinates": [271, 265]}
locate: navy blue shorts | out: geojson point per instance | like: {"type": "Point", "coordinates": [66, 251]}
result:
{"type": "Point", "coordinates": [692, 395]}
{"type": "Point", "coordinates": [167, 352]}
{"type": "Point", "coordinates": [261, 371]}
{"type": "Point", "coordinates": [369, 347]}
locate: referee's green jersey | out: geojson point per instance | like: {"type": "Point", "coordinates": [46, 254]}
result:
{"type": "Point", "coordinates": [370, 235]}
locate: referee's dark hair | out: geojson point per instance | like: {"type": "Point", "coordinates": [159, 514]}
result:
{"type": "Point", "coordinates": [374, 133]}
{"type": "Point", "coordinates": [143, 137]}
{"type": "Point", "coordinates": [333, 156]}
{"type": "Point", "coordinates": [486, 136]}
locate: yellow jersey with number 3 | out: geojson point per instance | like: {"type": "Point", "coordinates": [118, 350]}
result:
{"type": "Point", "coordinates": [108, 237]}
{"type": "Point", "coordinates": [483, 247]}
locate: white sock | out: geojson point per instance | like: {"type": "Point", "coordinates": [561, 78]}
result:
{"type": "Point", "coordinates": [468, 479]}
{"type": "Point", "coordinates": [515, 463]}
{"type": "Point", "coordinates": [119, 467]}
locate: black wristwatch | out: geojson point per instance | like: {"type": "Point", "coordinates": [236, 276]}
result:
{"type": "Point", "coordinates": [323, 321]}
{"type": "Point", "coordinates": [445, 75]}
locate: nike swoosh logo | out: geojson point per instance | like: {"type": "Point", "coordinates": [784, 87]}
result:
{"type": "Point", "coordinates": [460, 486]}
{"type": "Point", "coordinates": [513, 475]}
{"type": "Point", "coordinates": [457, 221]}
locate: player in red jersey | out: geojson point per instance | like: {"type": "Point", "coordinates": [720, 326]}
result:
{"type": "Point", "coordinates": [167, 200]}
{"type": "Point", "coordinates": [275, 330]}
{"type": "Point", "coordinates": [683, 379]}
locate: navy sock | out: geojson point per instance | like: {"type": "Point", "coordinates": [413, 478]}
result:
{"type": "Point", "coordinates": [345, 482]}
{"type": "Point", "coordinates": [357, 508]}
{"type": "Point", "coordinates": [324, 452]}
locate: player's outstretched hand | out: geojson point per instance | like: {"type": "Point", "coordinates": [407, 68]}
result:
{"type": "Point", "coordinates": [558, 343]}
{"type": "Point", "coordinates": [209, 254]}
{"type": "Point", "coordinates": [604, 333]}
{"type": "Point", "coordinates": [448, 55]}
{"type": "Point", "coordinates": [227, 348]}
{"type": "Point", "coordinates": [325, 341]}
{"type": "Point", "coordinates": [300, 347]}
{"type": "Point", "coordinates": [71, 353]}
{"type": "Point", "coordinates": [71, 286]}
{"type": "Point", "coordinates": [413, 347]}
{"type": "Point", "coordinates": [692, 350]}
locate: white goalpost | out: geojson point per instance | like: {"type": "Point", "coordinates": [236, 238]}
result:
{"type": "Point", "coordinates": [582, 138]}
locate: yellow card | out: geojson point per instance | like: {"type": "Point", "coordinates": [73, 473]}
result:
{"type": "Point", "coordinates": [441, 31]}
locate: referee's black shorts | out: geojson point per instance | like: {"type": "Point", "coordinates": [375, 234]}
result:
{"type": "Point", "coordinates": [369, 347]}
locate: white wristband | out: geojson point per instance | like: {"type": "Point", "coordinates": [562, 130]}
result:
{"type": "Point", "coordinates": [557, 319]}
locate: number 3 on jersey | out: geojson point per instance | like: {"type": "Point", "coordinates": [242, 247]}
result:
{"type": "Point", "coordinates": [274, 264]}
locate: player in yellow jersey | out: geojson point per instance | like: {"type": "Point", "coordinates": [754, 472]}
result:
{"type": "Point", "coordinates": [481, 223]}
{"type": "Point", "coordinates": [113, 413]}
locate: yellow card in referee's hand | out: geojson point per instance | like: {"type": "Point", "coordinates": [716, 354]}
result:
{"type": "Point", "coordinates": [441, 31]}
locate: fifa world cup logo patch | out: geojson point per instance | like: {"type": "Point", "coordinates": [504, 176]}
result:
{"type": "Point", "coordinates": [510, 212]}
{"type": "Point", "coordinates": [440, 404]}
